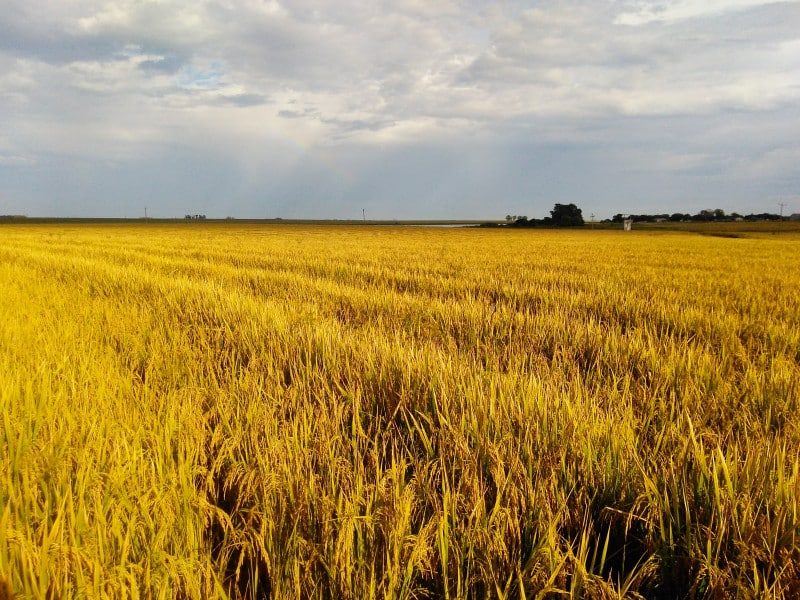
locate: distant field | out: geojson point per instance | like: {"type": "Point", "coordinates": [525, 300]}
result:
{"type": "Point", "coordinates": [254, 411]}
{"type": "Point", "coordinates": [747, 228]}
{"type": "Point", "coordinates": [231, 221]}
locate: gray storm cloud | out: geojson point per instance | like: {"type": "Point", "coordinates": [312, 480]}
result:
{"type": "Point", "coordinates": [409, 108]}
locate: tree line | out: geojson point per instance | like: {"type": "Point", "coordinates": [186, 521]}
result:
{"type": "Point", "coordinates": [569, 215]}
{"type": "Point", "coordinates": [706, 215]}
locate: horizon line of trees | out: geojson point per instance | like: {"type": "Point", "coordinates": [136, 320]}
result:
{"type": "Point", "coordinates": [706, 215]}
{"type": "Point", "coordinates": [569, 215]}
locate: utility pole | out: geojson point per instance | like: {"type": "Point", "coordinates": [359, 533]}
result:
{"type": "Point", "coordinates": [145, 212]}
{"type": "Point", "coordinates": [782, 205]}
{"type": "Point", "coordinates": [364, 215]}
{"type": "Point", "coordinates": [592, 220]}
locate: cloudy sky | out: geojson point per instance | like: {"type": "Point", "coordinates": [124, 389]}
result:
{"type": "Point", "coordinates": [407, 108]}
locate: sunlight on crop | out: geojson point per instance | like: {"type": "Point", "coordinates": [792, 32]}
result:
{"type": "Point", "coordinates": [242, 411]}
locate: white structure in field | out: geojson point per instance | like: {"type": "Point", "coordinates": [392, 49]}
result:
{"type": "Point", "coordinates": [627, 224]}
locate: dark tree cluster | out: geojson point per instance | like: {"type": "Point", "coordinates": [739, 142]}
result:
{"type": "Point", "coordinates": [562, 215]}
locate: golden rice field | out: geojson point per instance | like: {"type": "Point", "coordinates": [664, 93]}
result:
{"type": "Point", "coordinates": [246, 411]}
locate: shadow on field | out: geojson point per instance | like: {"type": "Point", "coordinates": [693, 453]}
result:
{"type": "Point", "coordinates": [246, 576]}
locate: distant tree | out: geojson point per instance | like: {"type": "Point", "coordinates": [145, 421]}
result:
{"type": "Point", "coordinates": [566, 215]}
{"type": "Point", "coordinates": [703, 215]}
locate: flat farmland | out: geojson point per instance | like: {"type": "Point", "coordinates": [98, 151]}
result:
{"type": "Point", "coordinates": [232, 410]}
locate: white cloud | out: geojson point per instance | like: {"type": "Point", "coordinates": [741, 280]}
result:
{"type": "Point", "coordinates": [647, 11]}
